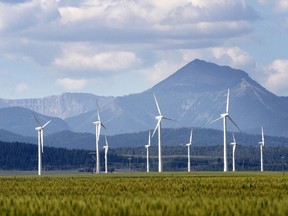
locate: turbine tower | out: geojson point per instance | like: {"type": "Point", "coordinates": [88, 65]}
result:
{"type": "Point", "coordinates": [262, 143]}
{"type": "Point", "coordinates": [98, 124]}
{"type": "Point", "coordinates": [233, 151]}
{"type": "Point", "coordinates": [106, 151]}
{"type": "Point", "coordinates": [224, 116]}
{"type": "Point", "coordinates": [147, 148]}
{"type": "Point", "coordinates": [158, 127]}
{"type": "Point", "coordinates": [40, 129]}
{"type": "Point", "coordinates": [188, 148]}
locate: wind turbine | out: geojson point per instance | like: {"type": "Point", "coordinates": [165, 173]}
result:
{"type": "Point", "coordinates": [98, 124]}
{"type": "Point", "coordinates": [40, 129]}
{"type": "Point", "coordinates": [158, 127]}
{"type": "Point", "coordinates": [106, 151]}
{"type": "Point", "coordinates": [262, 143]}
{"type": "Point", "coordinates": [224, 116]}
{"type": "Point", "coordinates": [233, 151]}
{"type": "Point", "coordinates": [147, 147]}
{"type": "Point", "coordinates": [188, 147]}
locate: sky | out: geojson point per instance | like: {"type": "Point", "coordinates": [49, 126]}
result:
{"type": "Point", "coordinates": [121, 47]}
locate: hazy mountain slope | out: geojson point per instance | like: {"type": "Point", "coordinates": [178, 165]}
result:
{"type": "Point", "coordinates": [21, 121]}
{"type": "Point", "coordinates": [170, 137]}
{"type": "Point", "coordinates": [8, 136]}
{"type": "Point", "coordinates": [63, 106]}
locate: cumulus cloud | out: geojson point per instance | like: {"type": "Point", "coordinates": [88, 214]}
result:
{"type": "Point", "coordinates": [280, 5]}
{"type": "Point", "coordinates": [24, 15]}
{"type": "Point", "coordinates": [232, 56]}
{"type": "Point", "coordinates": [21, 87]}
{"type": "Point", "coordinates": [277, 76]}
{"type": "Point", "coordinates": [160, 70]}
{"type": "Point", "coordinates": [92, 38]}
{"type": "Point", "coordinates": [105, 61]}
{"type": "Point", "coordinates": [71, 84]}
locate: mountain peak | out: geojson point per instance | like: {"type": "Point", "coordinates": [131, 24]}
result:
{"type": "Point", "coordinates": [199, 76]}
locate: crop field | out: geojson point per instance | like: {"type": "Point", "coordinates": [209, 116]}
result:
{"type": "Point", "coordinates": [198, 193]}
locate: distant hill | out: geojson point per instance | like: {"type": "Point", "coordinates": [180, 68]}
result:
{"type": "Point", "coordinates": [170, 137]}
{"type": "Point", "coordinates": [20, 121]}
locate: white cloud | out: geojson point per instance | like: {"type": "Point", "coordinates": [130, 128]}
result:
{"type": "Point", "coordinates": [160, 70]}
{"type": "Point", "coordinates": [16, 17]}
{"type": "Point", "coordinates": [71, 84]}
{"type": "Point", "coordinates": [232, 56]}
{"type": "Point", "coordinates": [92, 39]}
{"type": "Point", "coordinates": [21, 87]}
{"type": "Point", "coordinates": [277, 76]}
{"type": "Point", "coordinates": [103, 61]}
{"type": "Point", "coordinates": [280, 5]}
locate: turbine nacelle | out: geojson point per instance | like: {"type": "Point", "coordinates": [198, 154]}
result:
{"type": "Point", "coordinates": [188, 144]}
{"type": "Point", "coordinates": [159, 118]}
{"type": "Point", "coordinates": [147, 146]}
{"type": "Point", "coordinates": [38, 128]}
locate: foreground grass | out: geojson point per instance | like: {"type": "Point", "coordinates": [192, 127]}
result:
{"type": "Point", "coordinates": [146, 194]}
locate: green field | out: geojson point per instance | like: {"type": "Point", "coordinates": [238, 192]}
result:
{"type": "Point", "coordinates": [199, 193]}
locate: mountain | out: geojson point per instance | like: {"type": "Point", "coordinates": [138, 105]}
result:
{"type": "Point", "coordinates": [20, 121]}
{"type": "Point", "coordinates": [62, 106]}
{"type": "Point", "coordinates": [194, 96]}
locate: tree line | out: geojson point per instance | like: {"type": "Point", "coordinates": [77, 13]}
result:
{"type": "Point", "coordinates": [22, 156]}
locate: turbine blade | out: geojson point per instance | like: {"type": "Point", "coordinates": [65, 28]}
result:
{"type": "Point", "coordinates": [234, 139]}
{"type": "Point", "coordinates": [216, 120]}
{"type": "Point", "coordinates": [106, 141]}
{"type": "Point", "coordinates": [46, 124]}
{"type": "Point", "coordinates": [39, 124]}
{"type": "Point", "coordinates": [263, 136]}
{"type": "Point", "coordinates": [159, 111]}
{"type": "Point", "coordinates": [233, 122]}
{"type": "Point", "coordinates": [227, 102]}
{"type": "Point", "coordinates": [149, 138]}
{"type": "Point", "coordinates": [103, 126]}
{"type": "Point", "coordinates": [190, 140]}
{"type": "Point", "coordinates": [169, 119]}
{"type": "Point", "coordinates": [42, 140]}
{"type": "Point", "coordinates": [97, 108]}
{"type": "Point", "coordinates": [158, 123]}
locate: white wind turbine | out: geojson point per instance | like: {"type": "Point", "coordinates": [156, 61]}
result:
{"type": "Point", "coordinates": [40, 129]}
{"type": "Point", "coordinates": [158, 127]}
{"type": "Point", "coordinates": [188, 148]}
{"type": "Point", "coordinates": [233, 151]}
{"type": "Point", "coordinates": [225, 116]}
{"type": "Point", "coordinates": [262, 143]}
{"type": "Point", "coordinates": [147, 148]}
{"type": "Point", "coordinates": [106, 151]}
{"type": "Point", "coordinates": [98, 124]}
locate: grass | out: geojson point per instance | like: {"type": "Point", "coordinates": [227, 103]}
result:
{"type": "Point", "coordinates": [173, 193]}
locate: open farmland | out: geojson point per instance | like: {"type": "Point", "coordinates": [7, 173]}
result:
{"type": "Point", "coordinates": [199, 193]}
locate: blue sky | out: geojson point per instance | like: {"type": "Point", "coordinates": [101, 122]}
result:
{"type": "Point", "coordinates": [119, 47]}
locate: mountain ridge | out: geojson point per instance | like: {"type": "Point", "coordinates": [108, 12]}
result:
{"type": "Point", "coordinates": [193, 96]}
